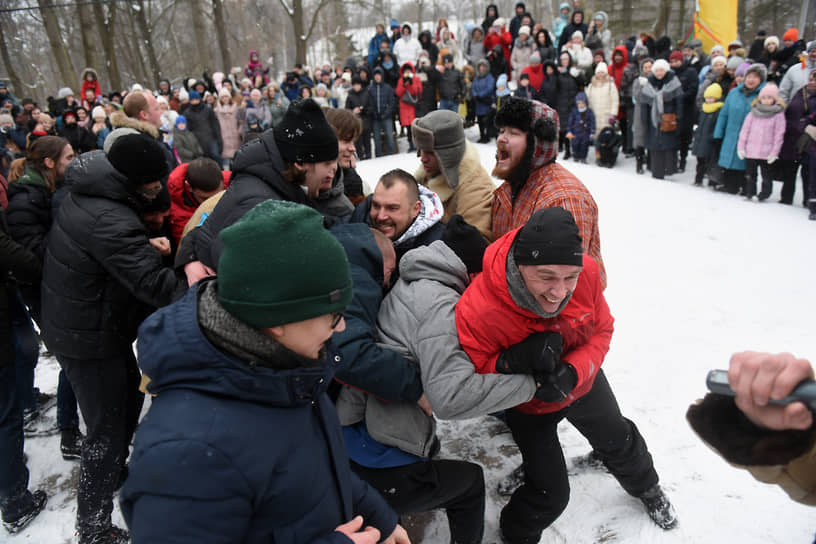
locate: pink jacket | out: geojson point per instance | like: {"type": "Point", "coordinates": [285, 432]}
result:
{"type": "Point", "coordinates": [761, 137]}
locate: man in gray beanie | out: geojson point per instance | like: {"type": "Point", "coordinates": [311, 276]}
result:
{"type": "Point", "coordinates": [796, 77]}
{"type": "Point", "coordinates": [451, 168]}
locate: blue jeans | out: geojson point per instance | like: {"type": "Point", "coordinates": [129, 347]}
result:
{"type": "Point", "coordinates": [387, 126]}
{"type": "Point", "coordinates": [449, 105]}
{"type": "Point", "coordinates": [26, 353]}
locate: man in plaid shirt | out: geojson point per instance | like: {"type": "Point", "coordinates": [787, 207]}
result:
{"type": "Point", "coordinates": [525, 159]}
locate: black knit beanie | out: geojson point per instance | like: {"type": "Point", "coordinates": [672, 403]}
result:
{"type": "Point", "coordinates": [466, 241]}
{"type": "Point", "coordinates": [304, 135]}
{"type": "Point", "coordinates": [550, 236]}
{"type": "Point", "coordinates": [138, 157]}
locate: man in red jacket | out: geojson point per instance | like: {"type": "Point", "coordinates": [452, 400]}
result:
{"type": "Point", "coordinates": [190, 184]}
{"type": "Point", "coordinates": [557, 327]}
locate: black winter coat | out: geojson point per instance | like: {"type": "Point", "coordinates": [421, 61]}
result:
{"type": "Point", "coordinates": [569, 30]}
{"type": "Point", "coordinates": [202, 121]}
{"type": "Point", "coordinates": [565, 88]}
{"type": "Point", "coordinates": [101, 276]}
{"type": "Point", "coordinates": [15, 262]}
{"type": "Point", "coordinates": [430, 77]}
{"type": "Point", "coordinates": [80, 138]}
{"type": "Point", "coordinates": [689, 81]}
{"type": "Point", "coordinates": [29, 220]}
{"type": "Point", "coordinates": [257, 175]}
{"type": "Point", "coordinates": [363, 101]}
{"type": "Point", "coordinates": [452, 85]}
{"type": "Point", "coordinates": [704, 146]}
{"type": "Point", "coordinates": [383, 100]}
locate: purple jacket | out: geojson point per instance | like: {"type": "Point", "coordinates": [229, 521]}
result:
{"type": "Point", "coordinates": [795, 123]}
{"type": "Point", "coordinates": [761, 137]}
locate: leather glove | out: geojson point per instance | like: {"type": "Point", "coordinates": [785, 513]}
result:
{"type": "Point", "coordinates": [741, 154]}
{"type": "Point", "coordinates": [811, 131]}
{"type": "Point", "coordinates": [772, 159]}
{"type": "Point", "coordinates": [537, 354]}
{"type": "Point", "coordinates": [555, 386]}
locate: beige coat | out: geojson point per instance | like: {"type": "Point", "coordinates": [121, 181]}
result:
{"type": "Point", "coordinates": [473, 197]}
{"type": "Point", "coordinates": [603, 101]}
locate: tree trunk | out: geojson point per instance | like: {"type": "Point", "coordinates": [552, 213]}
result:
{"type": "Point", "coordinates": [58, 50]}
{"type": "Point", "coordinates": [16, 83]}
{"type": "Point", "coordinates": [419, 5]}
{"type": "Point", "coordinates": [134, 51]}
{"type": "Point", "coordinates": [86, 31]}
{"type": "Point", "coordinates": [200, 32]}
{"type": "Point", "coordinates": [295, 13]}
{"type": "Point", "coordinates": [106, 26]}
{"type": "Point", "coordinates": [662, 18]}
{"type": "Point", "coordinates": [221, 32]}
{"type": "Point", "coordinates": [144, 29]}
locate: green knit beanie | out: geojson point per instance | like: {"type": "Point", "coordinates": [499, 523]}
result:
{"type": "Point", "coordinates": [280, 265]}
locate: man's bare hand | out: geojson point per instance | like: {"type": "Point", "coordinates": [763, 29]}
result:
{"type": "Point", "coordinates": [425, 404]}
{"type": "Point", "coordinates": [162, 244]}
{"type": "Point", "coordinates": [758, 377]}
{"type": "Point", "coordinates": [369, 535]}
{"type": "Point", "coordinates": [197, 270]}
{"type": "Point", "coordinates": [399, 536]}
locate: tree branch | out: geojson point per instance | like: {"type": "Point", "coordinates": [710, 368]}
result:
{"type": "Point", "coordinates": [321, 5]}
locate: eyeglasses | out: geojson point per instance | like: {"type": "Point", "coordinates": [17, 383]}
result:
{"type": "Point", "coordinates": [151, 192]}
{"type": "Point", "coordinates": [336, 317]}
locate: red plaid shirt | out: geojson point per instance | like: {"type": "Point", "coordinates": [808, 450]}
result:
{"type": "Point", "coordinates": [550, 186]}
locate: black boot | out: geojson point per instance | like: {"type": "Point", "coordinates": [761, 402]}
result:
{"type": "Point", "coordinates": [111, 535]}
{"type": "Point", "coordinates": [71, 443]}
{"type": "Point", "coordinates": [681, 167]}
{"type": "Point", "coordinates": [640, 164]}
{"type": "Point", "coordinates": [659, 508]}
{"type": "Point", "coordinates": [20, 511]}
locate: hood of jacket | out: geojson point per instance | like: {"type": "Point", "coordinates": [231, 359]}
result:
{"type": "Point", "coordinates": [361, 249]}
{"type": "Point", "coordinates": [91, 174]}
{"type": "Point", "coordinates": [583, 18]}
{"type": "Point", "coordinates": [175, 353]}
{"type": "Point", "coordinates": [118, 119]}
{"type": "Point", "coordinates": [436, 262]}
{"type": "Point", "coordinates": [603, 16]}
{"type": "Point", "coordinates": [407, 65]}
{"type": "Point", "coordinates": [85, 73]}
{"type": "Point", "coordinates": [622, 50]}
{"type": "Point", "coordinates": [260, 158]}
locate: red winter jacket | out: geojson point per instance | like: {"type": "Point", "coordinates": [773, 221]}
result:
{"type": "Point", "coordinates": [182, 203]}
{"type": "Point", "coordinates": [504, 38]}
{"type": "Point", "coordinates": [407, 112]}
{"type": "Point", "coordinates": [536, 73]}
{"type": "Point", "coordinates": [489, 321]}
{"type": "Point", "coordinates": [616, 70]}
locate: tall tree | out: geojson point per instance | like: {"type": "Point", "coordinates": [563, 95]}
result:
{"type": "Point", "coordinates": [88, 39]}
{"type": "Point", "coordinates": [56, 41]}
{"type": "Point", "coordinates": [294, 10]}
{"type": "Point", "coordinates": [220, 23]}
{"type": "Point", "coordinates": [147, 40]}
{"type": "Point", "coordinates": [107, 28]}
{"type": "Point", "coordinates": [16, 83]}
{"type": "Point", "coordinates": [662, 23]}
{"type": "Point", "coordinates": [200, 33]}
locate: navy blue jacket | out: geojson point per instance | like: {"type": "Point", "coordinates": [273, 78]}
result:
{"type": "Point", "coordinates": [231, 451]}
{"type": "Point", "coordinates": [367, 366]}
{"type": "Point", "coordinates": [382, 99]}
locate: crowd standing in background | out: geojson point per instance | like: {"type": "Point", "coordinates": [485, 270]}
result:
{"type": "Point", "coordinates": [115, 202]}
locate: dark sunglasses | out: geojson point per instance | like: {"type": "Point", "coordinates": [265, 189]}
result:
{"type": "Point", "coordinates": [336, 317]}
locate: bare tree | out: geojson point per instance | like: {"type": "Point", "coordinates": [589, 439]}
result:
{"type": "Point", "coordinates": [661, 25]}
{"type": "Point", "coordinates": [106, 29]}
{"type": "Point", "coordinates": [147, 38]}
{"type": "Point", "coordinates": [200, 33]}
{"type": "Point", "coordinates": [16, 83]}
{"type": "Point", "coordinates": [56, 41]}
{"type": "Point", "coordinates": [86, 32]}
{"type": "Point", "coordinates": [220, 23]}
{"type": "Point", "coordinates": [294, 10]}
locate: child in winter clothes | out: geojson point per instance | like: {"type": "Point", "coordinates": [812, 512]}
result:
{"type": "Point", "coordinates": [580, 127]}
{"type": "Point", "coordinates": [90, 81]}
{"type": "Point", "coordinates": [483, 91]}
{"type": "Point", "coordinates": [254, 68]}
{"type": "Point", "coordinates": [760, 139]}
{"type": "Point", "coordinates": [185, 142]}
{"type": "Point", "coordinates": [525, 90]}
{"type": "Point", "coordinates": [705, 147]}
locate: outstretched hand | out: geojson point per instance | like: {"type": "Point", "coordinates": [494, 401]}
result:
{"type": "Point", "coordinates": [369, 535]}
{"type": "Point", "coordinates": [758, 377]}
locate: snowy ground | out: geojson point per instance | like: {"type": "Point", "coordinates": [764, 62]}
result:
{"type": "Point", "coordinates": [693, 276]}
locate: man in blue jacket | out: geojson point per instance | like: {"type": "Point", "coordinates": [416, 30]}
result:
{"type": "Point", "coordinates": [381, 112]}
{"type": "Point", "coordinates": [242, 443]}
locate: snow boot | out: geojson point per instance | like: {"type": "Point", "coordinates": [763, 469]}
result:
{"type": "Point", "coordinates": [659, 508]}
{"type": "Point", "coordinates": [508, 485]}
{"type": "Point", "coordinates": [19, 512]}
{"type": "Point", "coordinates": [71, 443]}
{"type": "Point", "coordinates": [589, 461]}
{"type": "Point", "coordinates": [111, 535]}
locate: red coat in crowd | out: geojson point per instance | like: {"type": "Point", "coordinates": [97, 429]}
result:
{"type": "Point", "coordinates": [616, 69]}
{"type": "Point", "coordinates": [585, 323]}
{"type": "Point", "coordinates": [503, 38]}
{"type": "Point", "coordinates": [536, 73]}
{"type": "Point", "coordinates": [407, 112]}
{"type": "Point", "coordinates": [182, 203]}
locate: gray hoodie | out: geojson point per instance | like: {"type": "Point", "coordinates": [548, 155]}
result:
{"type": "Point", "coordinates": [417, 319]}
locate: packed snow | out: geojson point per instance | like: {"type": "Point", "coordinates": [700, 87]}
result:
{"type": "Point", "coordinates": [693, 276]}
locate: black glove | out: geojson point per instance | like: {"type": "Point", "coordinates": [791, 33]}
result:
{"type": "Point", "coordinates": [539, 353]}
{"type": "Point", "coordinates": [555, 386]}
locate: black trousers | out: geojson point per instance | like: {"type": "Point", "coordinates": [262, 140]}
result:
{"type": "Point", "coordinates": [751, 167]}
{"type": "Point", "coordinates": [456, 486]}
{"type": "Point", "coordinates": [110, 401]}
{"type": "Point", "coordinates": [545, 492]}
{"type": "Point", "coordinates": [662, 162]}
